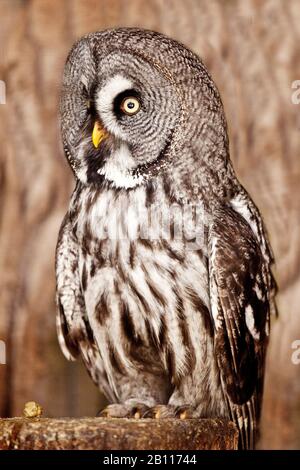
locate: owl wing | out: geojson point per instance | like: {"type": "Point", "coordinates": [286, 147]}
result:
{"type": "Point", "coordinates": [74, 332]}
{"type": "Point", "coordinates": [239, 291]}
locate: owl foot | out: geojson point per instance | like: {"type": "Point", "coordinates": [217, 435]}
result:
{"type": "Point", "coordinates": [160, 412]}
{"type": "Point", "coordinates": [120, 410]}
{"type": "Point", "coordinates": [139, 410]}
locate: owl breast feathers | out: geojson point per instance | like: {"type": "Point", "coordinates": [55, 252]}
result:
{"type": "Point", "coordinates": [164, 283]}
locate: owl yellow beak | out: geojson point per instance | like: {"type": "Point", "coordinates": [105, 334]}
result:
{"type": "Point", "coordinates": [99, 134]}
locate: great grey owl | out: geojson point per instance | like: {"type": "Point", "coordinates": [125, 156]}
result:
{"type": "Point", "coordinates": [169, 322]}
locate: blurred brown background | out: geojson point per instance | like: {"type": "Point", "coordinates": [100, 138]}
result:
{"type": "Point", "coordinates": [251, 48]}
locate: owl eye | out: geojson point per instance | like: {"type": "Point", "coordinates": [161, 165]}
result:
{"type": "Point", "coordinates": [130, 105]}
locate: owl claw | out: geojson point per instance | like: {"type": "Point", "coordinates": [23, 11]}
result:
{"type": "Point", "coordinates": [119, 410]}
{"type": "Point", "coordinates": [138, 411]}
{"type": "Point", "coordinates": [160, 412]}
{"type": "Point", "coordinates": [115, 410]}
{"type": "Point", "coordinates": [184, 412]}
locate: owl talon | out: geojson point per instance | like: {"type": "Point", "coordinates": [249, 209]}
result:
{"type": "Point", "coordinates": [138, 411]}
{"type": "Point", "coordinates": [115, 410]}
{"type": "Point", "coordinates": [184, 412]}
{"type": "Point", "coordinates": [121, 410]}
{"type": "Point", "coordinates": [160, 412]}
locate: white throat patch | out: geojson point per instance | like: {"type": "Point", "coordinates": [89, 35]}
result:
{"type": "Point", "coordinates": [117, 169]}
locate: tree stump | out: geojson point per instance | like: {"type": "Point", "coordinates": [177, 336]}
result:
{"type": "Point", "coordinates": [117, 434]}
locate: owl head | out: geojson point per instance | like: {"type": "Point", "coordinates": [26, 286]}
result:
{"type": "Point", "coordinates": [137, 105]}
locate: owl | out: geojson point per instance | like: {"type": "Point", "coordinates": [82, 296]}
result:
{"type": "Point", "coordinates": [163, 266]}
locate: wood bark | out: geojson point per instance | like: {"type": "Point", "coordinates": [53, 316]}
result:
{"type": "Point", "coordinates": [117, 434]}
{"type": "Point", "coordinates": [251, 48]}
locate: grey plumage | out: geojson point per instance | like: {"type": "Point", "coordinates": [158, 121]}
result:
{"type": "Point", "coordinates": [168, 325]}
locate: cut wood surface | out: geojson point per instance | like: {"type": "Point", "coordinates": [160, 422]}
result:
{"type": "Point", "coordinates": [252, 49]}
{"type": "Point", "coordinates": [117, 434]}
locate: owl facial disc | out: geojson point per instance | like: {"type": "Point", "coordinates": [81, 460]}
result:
{"type": "Point", "coordinates": [125, 111]}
